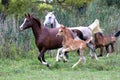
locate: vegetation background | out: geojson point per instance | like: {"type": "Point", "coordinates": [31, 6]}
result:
{"type": "Point", "coordinates": [18, 53]}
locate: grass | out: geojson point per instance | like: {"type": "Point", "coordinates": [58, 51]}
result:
{"type": "Point", "coordinates": [32, 69]}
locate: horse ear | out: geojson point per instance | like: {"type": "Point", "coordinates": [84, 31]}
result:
{"type": "Point", "coordinates": [28, 15]}
{"type": "Point", "coordinates": [25, 15]}
{"type": "Point", "coordinates": [63, 26]}
{"type": "Point", "coordinates": [52, 12]}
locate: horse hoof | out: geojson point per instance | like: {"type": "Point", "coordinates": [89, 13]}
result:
{"type": "Point", "coordinates": [99, 55]}
{"type": "Point", "coordinates": [107, 55]}
{"type": "Point", "coordinates": [57, 60]}
{"type": "Point", "coordinates": [65, 61]}
{"type": "Point", "coordinates": [48, 65]}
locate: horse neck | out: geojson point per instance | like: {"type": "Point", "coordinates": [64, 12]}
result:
{"type": "Point", "coordinates": [67, 37]}
{"type": "Point", "coordinates": [98, 37]}
{"type": "Point", "coordinates": [37, 30]}
{"type": "Point", "coordinates": [56, 24]}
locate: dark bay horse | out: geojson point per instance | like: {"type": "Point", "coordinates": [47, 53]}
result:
{"type": "Point", "coordinates": [45, 38]}
{"type": "Point", "coordinates": [102, 41]}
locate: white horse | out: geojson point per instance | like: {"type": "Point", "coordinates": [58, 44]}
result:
{"type": "Point", "coordinates": [51, 20]}
{"type": "Point", "coordinates": [87, 31]}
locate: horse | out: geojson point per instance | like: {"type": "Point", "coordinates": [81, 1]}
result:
{"type": "Point", "coordinates": [84, 32]}
{"type": "Point", "coordinates": [51, 20]}
{"type": "Point", "coordinates": [45, 38]}
{"type": "Point", "coordinates": [101, 41]}
{"type": "Point", "coordinates": [71, 44]}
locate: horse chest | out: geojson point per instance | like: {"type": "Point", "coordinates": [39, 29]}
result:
{"type": "Point", "coordinates": [42, 41]}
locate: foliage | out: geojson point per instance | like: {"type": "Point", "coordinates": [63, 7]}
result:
{"type": "Point", "coordinates": [108, 16]}
{"type": "Point", "coordinates": [113, 2]}
{"type": "Point", "coordinates": [77, 3]}
{"type": "Point", "coordinates": [19, 6]}
{"type": "Point", "coordinates": [44, 6]}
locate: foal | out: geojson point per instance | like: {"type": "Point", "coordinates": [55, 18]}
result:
{"type": "Point", "coordinates": [71, 44]}
{"type": "Point", "coordinates": [102, 41]}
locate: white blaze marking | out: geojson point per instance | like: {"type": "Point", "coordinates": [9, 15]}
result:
{"type": "Point", "coordinates": [23, 24]}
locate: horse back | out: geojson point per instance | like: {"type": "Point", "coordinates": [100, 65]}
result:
{"type": "Point", "coordinates": [102, 40]}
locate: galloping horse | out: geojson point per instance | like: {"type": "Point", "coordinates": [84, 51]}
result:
{"type": "Point", "coordinates": [45, 38]}
{"type": "Point", "coordinates": [70, 44]}
{"type": "Point", "coordinates": [84, 32]}
{"type": "Point", "coordinates": [102, 41]}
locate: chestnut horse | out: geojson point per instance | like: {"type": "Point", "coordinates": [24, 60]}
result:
{"type": "Point", "coordinates": [71, 44]}
{"type": "Point", "coordinates": [45, 38]}
{"type": "Point", "coordinates": [102, 41]}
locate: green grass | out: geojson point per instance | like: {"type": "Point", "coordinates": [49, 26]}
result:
{"type": "Point", "coordinates": [32, 69]}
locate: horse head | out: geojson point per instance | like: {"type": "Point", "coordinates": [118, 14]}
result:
{"type": "Point", "coordinates": [28, 22]}
{"type": "Point", "coordinates": [62, 31]}
{"type": "Point", "coordinates": [49, 19]}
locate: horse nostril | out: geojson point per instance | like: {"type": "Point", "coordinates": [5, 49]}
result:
{"type": "Point", "coordinates": [57, 35]}
{"type": "Point", "coordinates": [20, 29]}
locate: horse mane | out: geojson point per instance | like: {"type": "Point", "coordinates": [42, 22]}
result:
{"type": "Point", "coordinates": [99, 33]}
{"type": "Point", "coordinates": [37, 20]}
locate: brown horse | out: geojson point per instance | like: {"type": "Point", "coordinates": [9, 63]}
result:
{"type": "Point", "coordinates": [45, 38]}
{"type": "Point", "coordinates": [70, 44]}
{"type": "Point", "coordinates": [102, 41]}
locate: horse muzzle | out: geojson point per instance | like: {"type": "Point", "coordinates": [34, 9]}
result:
{"type": "Point", "coordinates": [20, 29]}
{"type": "Point", "coordinates": [57, 35]}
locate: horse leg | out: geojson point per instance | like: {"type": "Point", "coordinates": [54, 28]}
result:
{"type": "Point", "coordinates": [101, 51]}
{"type": "Point", "coordinates": [93, 49]}
{"type": "Point", "coordinates": [91, 43]}
{"type": "Point", "coordinates": [90, 52]}
{"type": "Point", "coordinates": [112, 47]}
{"type": "Point", "coordinates": [64, 51]}
{"type": "Point", "coordinates": [82, 58]}
{"type": "Point", "coordinates": [59, 52]}
{"type": "Point", "coordinates": [41, 57]}
{"type": "Point", "coordinates": [107, 50]}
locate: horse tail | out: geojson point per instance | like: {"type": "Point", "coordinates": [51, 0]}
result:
{"type": "Point", "coordinates": [95, 26]}
{"type": "Point", "coordinates": [117, 34]}
{"type": "Point", "coordinates": [89, 39]}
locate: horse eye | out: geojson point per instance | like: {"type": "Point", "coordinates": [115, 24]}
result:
{"type": "Point", "coordinates": [49, 17]}
{"type": "Point", "coordinates": [61, 31]}
{"type": "Point", "coordinates": [27, 20]}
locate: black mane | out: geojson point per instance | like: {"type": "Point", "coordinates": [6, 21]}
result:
{"type": "Point", "coordinates": [37, 20]}
{"type": "Point", "coordinates": [101, 34]}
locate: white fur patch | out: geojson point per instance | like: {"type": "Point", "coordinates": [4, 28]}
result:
{"type": "Point", "coordinates": [21, 27]}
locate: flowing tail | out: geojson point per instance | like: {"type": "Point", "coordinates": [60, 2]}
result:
{"type": "Point", "coordinates": [95, 27]}
{"type": "Point", "coordinates": [117, 34]}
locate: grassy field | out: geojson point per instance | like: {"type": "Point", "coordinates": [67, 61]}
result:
{"type": "Point", "coordinates": [32, 69]}
{"type": "Point", "coordinates": [18, 52]}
